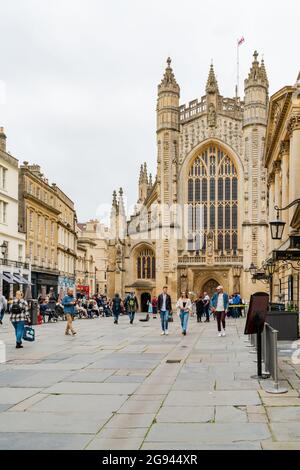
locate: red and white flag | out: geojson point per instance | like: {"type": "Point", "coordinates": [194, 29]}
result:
{"type": "Point", "coordinates": [241, 41]}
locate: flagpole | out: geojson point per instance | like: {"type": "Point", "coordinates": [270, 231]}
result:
{"type": "Point", "coordinates": [238, 68]}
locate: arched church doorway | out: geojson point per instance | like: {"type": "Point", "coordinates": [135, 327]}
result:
{"type": "Point", "coordinates": [145, 298]}
{"type": "Point", "coordinates": [210, 287]}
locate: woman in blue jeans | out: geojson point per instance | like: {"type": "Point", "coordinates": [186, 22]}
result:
{"type": "Point", "coordinates": [19, 316]}
{"type": "Point", "coordinates": [184, 306]}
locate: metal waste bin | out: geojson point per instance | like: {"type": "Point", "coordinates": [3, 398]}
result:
{"type": "Point", "coordinates": [34, 311]}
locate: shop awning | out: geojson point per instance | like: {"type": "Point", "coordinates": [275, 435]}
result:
{"type": "Point", "coordinates": [8, 277]}
{"type": "Point", "coordinates": [21, 280]}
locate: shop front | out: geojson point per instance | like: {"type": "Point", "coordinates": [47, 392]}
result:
{"type": "Point", "coordinates": [65, 283]}
{"type": "Point", "coordinates": [42, 283]}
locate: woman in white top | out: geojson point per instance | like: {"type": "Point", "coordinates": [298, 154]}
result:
{"type": "Point", "coordinates": [184, 306]}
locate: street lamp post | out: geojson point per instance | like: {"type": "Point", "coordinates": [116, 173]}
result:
{"type": "Point", "coordinates": [277, 226]}
{"type": "Point", "coordinates": [270, 270]}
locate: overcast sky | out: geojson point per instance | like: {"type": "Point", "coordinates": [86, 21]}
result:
{"type": "Point", "coordinates": [81, 78]}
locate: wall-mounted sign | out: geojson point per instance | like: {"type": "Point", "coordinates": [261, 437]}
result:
{"type": "Point", "coordinates": [288, 255]}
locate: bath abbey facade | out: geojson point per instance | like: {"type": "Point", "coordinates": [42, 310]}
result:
{"type": "Point", "coordinates": [202, 220]}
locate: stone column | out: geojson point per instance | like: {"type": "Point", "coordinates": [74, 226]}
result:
{"type": "Point", "coordinates": [271, 182]}
{"type": "Point", "coordinates": [277, 189]}
{"type": "Point", "coordinates": [294, 129]}
{"type": "Point", "coordinates": [285, 155]}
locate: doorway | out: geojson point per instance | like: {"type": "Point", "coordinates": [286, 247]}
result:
{"type": "Point", "coordinates": [145, 298]}
{"type": "Point", "coordinates": [210, 287]}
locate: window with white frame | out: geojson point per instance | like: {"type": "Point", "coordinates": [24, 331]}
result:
{"type": "Point", "coordinates": [3, 177]}
{"type": "Point", "coordinates": [20, 252]}
{"type": "Point", "coordinates": [3, 212]}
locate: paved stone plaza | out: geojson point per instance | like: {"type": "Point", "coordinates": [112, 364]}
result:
{"type": "Point", "coordinates": [112, 387]}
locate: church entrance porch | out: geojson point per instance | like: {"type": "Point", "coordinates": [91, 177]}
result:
{"type": "Point", "coordinates": [205, 279]}
{"type": "Point", "coordinates": [210, 287]}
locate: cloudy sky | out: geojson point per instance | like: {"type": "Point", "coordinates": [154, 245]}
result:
{"type": "Point", "coordinates": [78, 78]}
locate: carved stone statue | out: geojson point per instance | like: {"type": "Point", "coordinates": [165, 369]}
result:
{"type": "Point", "coordinates": [212, 116]}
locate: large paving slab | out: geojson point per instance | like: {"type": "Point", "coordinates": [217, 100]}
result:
{"type": "Point", "coordinates": [115, 388]}
{"type": "Point", "coordinates": [211, 398]}
{"type": "Point", "coordinates": [208, 433]}
{"type": "Point", "coordinates": [43, 441]}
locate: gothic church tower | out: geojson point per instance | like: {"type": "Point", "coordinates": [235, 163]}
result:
{"type": "Point", "coordinates": [255, 227]}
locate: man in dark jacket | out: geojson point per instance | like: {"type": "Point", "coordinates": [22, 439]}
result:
{"type": "Point", "coordinates": [164, 307]}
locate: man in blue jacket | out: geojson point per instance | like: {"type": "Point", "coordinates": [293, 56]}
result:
{"type": "Point", "coordinates": [69, 303]}
{"type": "Point", "coordinates": [220, 305]}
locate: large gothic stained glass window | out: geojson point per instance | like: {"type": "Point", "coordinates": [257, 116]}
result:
{"type": "Point", "coordinates": [213, 193]}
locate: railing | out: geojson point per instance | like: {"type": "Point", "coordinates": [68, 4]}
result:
{"type": "Point", "coordinates": [192, 260]}
{"type": "Point", "coordinates": [15, 264]}
{"type": "Point", "coordinates": [228, 259]}
{"type": "Point", "coordinates": [270, 358]}
{"type": "Point", "coordinates": [217, 260]}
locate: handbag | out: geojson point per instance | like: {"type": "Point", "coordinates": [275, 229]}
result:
{"type": "Point", "coordinates": [28, 334]}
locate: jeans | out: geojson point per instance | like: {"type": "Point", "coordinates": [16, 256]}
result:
{"type": "Point", "coordinates": [2, 314]}
{"type": "Point", "coordinates": [184, 318]}
{"type": "Point", "coordinates": [221, 320]}
{"type": "Point", "coordinates": [164, 318]}
{"type": "Point", "coordinates": [206, 310]}
{"type": "Point", "coordinates": [19, 329]}
{"type": "Point", "coordinates": [116, 315]}
{"type": "Point", "coordinates": [131, 316]}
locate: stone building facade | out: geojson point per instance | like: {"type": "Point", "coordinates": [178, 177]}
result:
{"type": "Point", "coordinates": [203, 220]}
{"type": "Point", "coordinates": [97, 232]}
{"type": "Point", "coordinates": [14, 267]}
{"type": "Point", "coordinates": [282, 160]}
{"type": "Point", "coordinates": [47, 217]}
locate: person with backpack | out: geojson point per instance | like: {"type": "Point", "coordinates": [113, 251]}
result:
{"type": "Point", "coordinates": [19, 316]}
{"type": "Point", "coordinates": [116, 308]}
{"type": "Point", "coordinates": [131, 306]}
{"type": "Point", "coordinates": [3, 307]}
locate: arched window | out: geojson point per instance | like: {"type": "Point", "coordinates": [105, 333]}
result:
{"type": "Point", "coordinates": [213, 199]}
{"type": "Point", "coordinates": [145, 264]}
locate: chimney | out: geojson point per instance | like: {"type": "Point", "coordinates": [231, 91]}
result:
{"type": "Point", "coordinates": [2, 139]}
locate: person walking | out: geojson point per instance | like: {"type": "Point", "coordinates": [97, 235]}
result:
{"type": "Point", "coordinates": [51, 305]}
{"type": "Point", "coordinates": [116, 308]}
{"type": "Point", "coordinates": [220, 305]}
{"type": "Point", "coordinates": [19, 316]}
{"type": "Point", "coordinates": [3, 307]}
{"type": "Point", "coordinates": [69, 304]}
{"type": "Point", "coordinates": [184, 305]}
{"type": "Point", "coordinates": [154, 306]}
{"type": "Point", "coordinates": [132, 306]}
{"type": "Point", "coordinates": [206, 303]}
{"type": "Point", "coordinates": [199, 308]}
{"type": "Point", "coordinates": [164, 307]}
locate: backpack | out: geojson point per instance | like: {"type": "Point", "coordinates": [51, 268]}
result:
{"type": "Point", "coordinates": [131, 302]}
{"type": "Point", "coordinates": [16, 308]}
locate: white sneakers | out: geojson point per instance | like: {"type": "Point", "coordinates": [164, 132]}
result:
{"type": "Point", "coordinates": [222, 335]}
{"type": "Point", "coordinates": [164, 333]}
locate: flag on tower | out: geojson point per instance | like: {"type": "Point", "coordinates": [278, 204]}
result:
{"type": "Point", "coordinates": [241, 41]}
